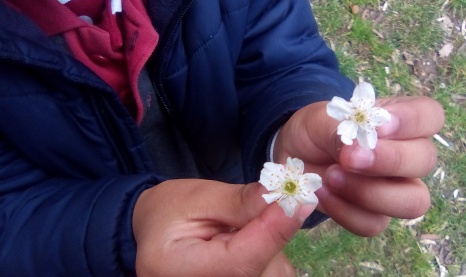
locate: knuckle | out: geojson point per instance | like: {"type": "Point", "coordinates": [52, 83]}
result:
{"type": "Point", "coordinates": [432, 158]}
{"type": "Point", "coordinates": [397, 162]}
{"type": "Point", "coordinates": [245, 194]}
{"type": "Point", "coordinates": [418, 204]}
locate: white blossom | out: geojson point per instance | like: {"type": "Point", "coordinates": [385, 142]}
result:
{"type": "Point", "coordinates": [358, 117]}
{"type": "Point", "coordinates": [288, 186]}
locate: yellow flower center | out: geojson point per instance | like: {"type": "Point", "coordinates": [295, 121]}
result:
{"type": "Point", "coordinates": [290, 187]}
{"type": "Point", "coordinates": [360, 117]}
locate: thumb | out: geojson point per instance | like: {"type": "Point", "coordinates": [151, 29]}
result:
{"type": "Point", "coordinates": [258, 242]}
{"type": "Point", "coordinates": [299, 137]}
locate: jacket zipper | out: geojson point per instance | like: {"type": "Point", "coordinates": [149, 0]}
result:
{"type": "Point", "coordinates": [159, 57]}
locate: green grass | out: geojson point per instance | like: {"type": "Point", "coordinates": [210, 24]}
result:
{"type": "Point", "coordinates": [397, 51]}
{"type": "Point", "coordinates": [336, 252]}
{"type": "Point", "coordinates": [413, 25]}
{"type": "Point", "coordinates": [458, 7]}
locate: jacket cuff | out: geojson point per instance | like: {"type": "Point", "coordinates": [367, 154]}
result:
{"type": "Point", "coordinates": [314, 219]}
{"type": "Point", "coordinates": [271, 145]}
{"type": "Point", "coordinates": [110, 243]}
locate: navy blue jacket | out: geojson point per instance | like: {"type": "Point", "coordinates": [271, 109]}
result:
{"type": "Point", "coordinates": [72, 160]}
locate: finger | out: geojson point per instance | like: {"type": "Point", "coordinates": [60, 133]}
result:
{"type": "Point", "coordinates": [279, 266]}
{"type": "Point", "coordinates": [259, 241]}
{"type": "Point", "coordinates": [412, 117]}
{"type": "Point", "coordinates": [299, 137]}
{"type": "Point", "coordinates": [394, 197]}
{"type": "Point", "coordinates": [353, 218]}
{"type": "Point", "coordinates": [241, 204]}
{"type": "Point", "coordinates": [246, 252]}
{"type": "Point", "coordinates": [225, 236]}
{"type": "Point", "coordinates": [235, 204]}
{"type": "Point", "coordinates": [407, 158]}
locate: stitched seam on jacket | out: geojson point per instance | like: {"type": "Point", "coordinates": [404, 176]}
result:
{"type": "Point", "coordinates": [236, 10]}
{"type": "Point", "coordinates": [196, 51]}
{"type": "Point", "coordinates": [279, 69]}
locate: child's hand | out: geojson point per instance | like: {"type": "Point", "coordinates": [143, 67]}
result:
{"type": "Point", "coordinates": [206, 228]}
{"type": "Point", "coordinates": [363, 189]}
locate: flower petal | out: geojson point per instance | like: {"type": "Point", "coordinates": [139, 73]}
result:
{"type": "Point", "coordinates": [367, 139]}
{"type": "Point", "coordinates": [272, 176]}
{"type": "Point", "coordinates": [379, 116]}
{"type": "Point", "coordinates": [308, 198]}
{"type": "Point", "coordinates": [294, 166]}
{"type": "Point", "coordinates": [348, 131]}
{"type": "Point", "coordinates": [288, 204]}
{"type": "Point", "coordinates": [339, 108]}
{"type": "Point", "coordinates": [271, 197]}
{"type": "Point", "coordinates": [363, 93]}
{"type": "Point", "coordinates": [310, 182]}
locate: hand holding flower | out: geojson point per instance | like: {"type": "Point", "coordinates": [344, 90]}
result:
{"type": "Point", "coordinates": [362, 187]}
{"type": "Point", "coordinates": [194, 227]}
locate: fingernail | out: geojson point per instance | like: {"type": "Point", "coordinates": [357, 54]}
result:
{"type": "Point", "coordinates": [335, 178]}
{"type": "Point", "coordinates": [361, 158]}
{"type": "Point", "coordinates": [390, 128]}
{"type": "Point", "coordinates": [304, 211]}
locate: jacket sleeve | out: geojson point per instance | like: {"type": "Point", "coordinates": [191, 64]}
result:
{"type": "Point", "coordinates": [284, 65]}
{"type": "Point", "coordinates": [64, 227]}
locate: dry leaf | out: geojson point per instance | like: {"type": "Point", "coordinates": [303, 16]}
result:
{"type": "Point", "coordinates": [458, 98]}
{"type": "Point", "coordinates": [411, 222]}
{"type": "Point", "coordinates": [437, 172]}
{"type": "Point", "coordinates": [446, 24]}
{"type": "Point", "coordinates": [438, 138]}
{"type": "Point", "coordinates": [446, 50]}
{"type": "Point", "coordinates": [385, 6]}
{"type": "Point", "coordinates": [372, 266]}
{"type": "Point", "coordinates": [379, 34]}
{"type": "Point", "coordinates": [463, 28]}
{"type": "Point", "coordinates": [430, 236]}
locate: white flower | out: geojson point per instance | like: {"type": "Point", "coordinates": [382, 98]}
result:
{"type": "Point", "coordinates": [288, 185]}
{"type": "Point", "coordinates": [358, 117]}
